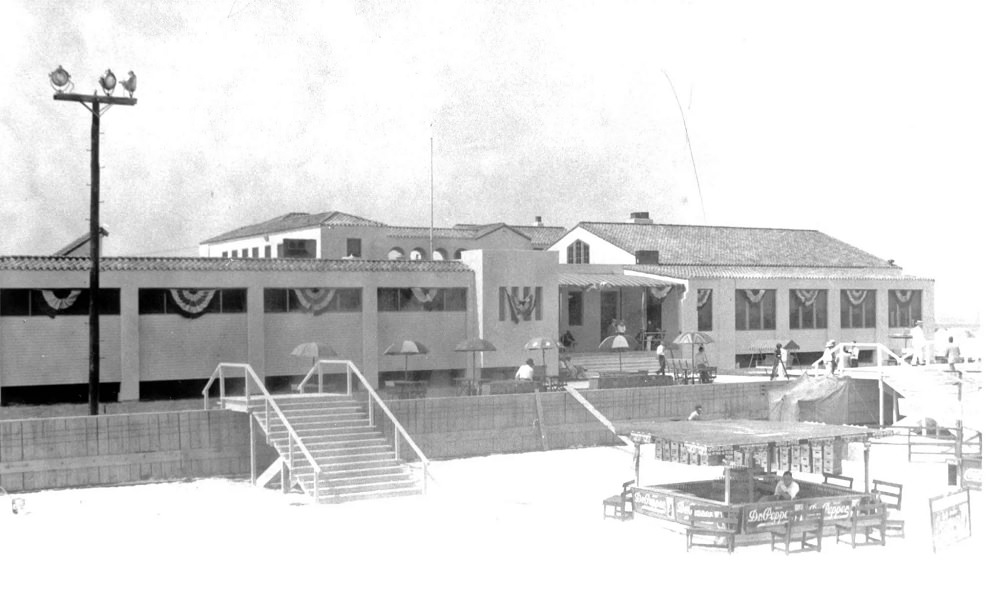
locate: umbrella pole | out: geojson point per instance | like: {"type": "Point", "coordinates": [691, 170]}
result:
{"type": "Point", "coordinates": [406, 367]}
{"type": "Point", "coordinates": [619, 361]}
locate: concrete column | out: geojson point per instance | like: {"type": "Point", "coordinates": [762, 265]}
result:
{"type": "Point", "coordinates": [369, 333]}
{"type": "Point", "coordinates": [130, 339]}
{"type": "Point", "coordinates": [255, 331]}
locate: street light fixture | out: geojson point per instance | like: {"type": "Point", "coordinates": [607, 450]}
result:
{"type": "Point", "coordinates": [63, 84]}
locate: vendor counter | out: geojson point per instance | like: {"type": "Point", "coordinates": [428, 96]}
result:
{"type": "Point", "coordinates": [673, 502]}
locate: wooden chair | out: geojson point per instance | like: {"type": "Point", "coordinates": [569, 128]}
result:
{"type": "Point", "coordinates": [620, 505]}
{"type": "Point", "coordinates": [838, 480]}
{"type": "Point", "coordinates": [712, 526]}
{"type": "Point", "coordinates": [802, 526]}
{"type": "Point", "coordinates": [891, 494]}
{"type": "Point", "coordinates": [865, 519]}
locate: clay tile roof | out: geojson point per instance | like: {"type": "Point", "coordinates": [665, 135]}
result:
{"type": "Point", "coordinates": [53, 263]}
{"type": "Point", "coordinates": [764, 272]}
{"type": "Point", "coordinates": [738, 246]}
{"type": "Point", "coordinates": [292, 221]}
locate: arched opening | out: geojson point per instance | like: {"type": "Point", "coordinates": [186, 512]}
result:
{"type": "Point", "coordinates": [418, 254]}
{"type": "Point", "coordinates": [440, 254]}
{"type": "Point", "coordinates": [396, 253]}
{"type": "Point", "coordinates": [458, 253]}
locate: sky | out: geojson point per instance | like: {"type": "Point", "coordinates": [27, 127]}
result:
{"type": "Point", "coordinates": [874, 122]}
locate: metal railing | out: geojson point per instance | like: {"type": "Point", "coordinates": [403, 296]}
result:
{"type": "Point", "coordinates": [269, 406]}
{"type": "Point", "coordinates": [350, 371]}
{"type": "Point", "coordinates": [933, 441]}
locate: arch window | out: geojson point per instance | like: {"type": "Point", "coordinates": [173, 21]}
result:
{"type": "Point", "coordinates": [578, 253]}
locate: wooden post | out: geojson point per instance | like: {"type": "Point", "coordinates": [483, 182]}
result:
{"type": "Point", "coordinates": [637, 453]}
{"type": "Point", "coordinates": [541, 418]}
{"type": "Point", "coordinates": [868, 447]}
{"type": "Point", "coordinates": [95, 260]}
{"type": "Point", "coordinates": [729, 481]}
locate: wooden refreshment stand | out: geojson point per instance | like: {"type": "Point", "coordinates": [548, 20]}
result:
{"type": "Point", "coordinates": [753, 454]}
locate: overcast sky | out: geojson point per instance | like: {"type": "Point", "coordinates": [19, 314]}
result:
{"type": "Point", "coordinates": [873, 122]}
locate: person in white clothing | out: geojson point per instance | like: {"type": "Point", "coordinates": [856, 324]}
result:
{"type": "Point", "coordinates": [526, 372]}
{"type": "Point", "coordinates": [661, 355]}
{"type": "Point", "coordinates": [786, 489]}
{"type": "Point", "coordinates": [696, 414]}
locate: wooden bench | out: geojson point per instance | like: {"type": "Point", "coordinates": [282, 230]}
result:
{"type": "Point", "coordinates": [802, 526]}
{"type": "Point", "coordinates": [865, 519]}
{"type": "Point", "coordinates": [621, 504]}
{"type": "Point", "coordinates": [891, 494]}
{"type": "Point", "coordinates": [712, 526]}
{"type": "Point", "coordinates": [838, 480]}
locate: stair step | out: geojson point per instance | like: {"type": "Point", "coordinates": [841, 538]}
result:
{"type": "Point", "coordinates": [360, 485]}
{"type": "Point", "coordinates": [368, 495]}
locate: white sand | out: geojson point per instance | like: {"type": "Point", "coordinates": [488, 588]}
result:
{"type": "Point", "coordinates": [502, 531]}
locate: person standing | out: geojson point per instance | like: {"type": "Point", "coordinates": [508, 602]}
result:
{"type": "Point", "coordinates": [919, 344]}
{"type": "Point", "coordinates": [701, 365]}
{"type": "Point", "coordinates": [786, 489]}
{"type": "Point", "coordinates": [830, 358]}
{"type": "Point", "coordinates": [953, 354]}
{"type": "Point", "coordinates": [661, 355]}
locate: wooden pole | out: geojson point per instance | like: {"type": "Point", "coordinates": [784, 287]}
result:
{"type": "Point", "coordinates": [868, 448]}
{"type": "Point", "coordinates": [95, 260]}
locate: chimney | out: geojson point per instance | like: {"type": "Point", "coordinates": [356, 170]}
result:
{"type": "Point", "coordinates": [538, 221]}
{"type": "Point", "coordinates": [641, 218]}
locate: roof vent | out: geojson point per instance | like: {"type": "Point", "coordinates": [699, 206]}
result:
{"type": "Point", "coordinates": [641, 218]}
{"type": "Point", "coordinates": [538, 221]}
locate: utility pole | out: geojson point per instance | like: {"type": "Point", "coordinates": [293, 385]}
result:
{"type": "Point", "coordinates": [61, 82]}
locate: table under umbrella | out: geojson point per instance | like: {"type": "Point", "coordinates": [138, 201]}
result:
{"type": "Point", "coordinates": [472, 346]}
{"type": "Point", "coordinates": [693, 337]}
{"type": "Point", "coordinates": [542, 344]}
{"type": "Point", "coordinates": [618, 343]}
{"type": "Point", "coordinates": [406, 348]}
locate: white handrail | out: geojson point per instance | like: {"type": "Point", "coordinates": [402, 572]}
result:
{"type": "Point", "coordinates": [269, 403]}
{"type": "Point", "coordinates": [351, 367]}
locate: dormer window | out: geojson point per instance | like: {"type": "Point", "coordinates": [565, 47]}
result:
{"type": "Point", "coordinates": [578, 253]}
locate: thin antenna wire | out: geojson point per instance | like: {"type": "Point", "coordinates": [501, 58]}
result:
{"type": "Point", "coordinates": [688, 139]}
{"type": "Point", "coordinates": [431, 253]}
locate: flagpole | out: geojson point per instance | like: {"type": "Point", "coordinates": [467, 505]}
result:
{"type": "Point", "coordinates": [431, 253]}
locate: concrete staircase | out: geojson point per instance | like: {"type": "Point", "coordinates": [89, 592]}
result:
{"type": "Point", "coordinates": [356, 461]}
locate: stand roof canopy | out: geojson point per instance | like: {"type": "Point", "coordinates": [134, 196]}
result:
{"type": "Point", "coordinates": [723, 435]}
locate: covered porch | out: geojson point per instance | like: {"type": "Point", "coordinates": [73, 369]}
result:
{"type": "Point", "coordinates": [596, 301]}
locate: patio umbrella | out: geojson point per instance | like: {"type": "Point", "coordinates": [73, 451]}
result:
{"type": "Point", "coordinates": [406, 348]}
{"type": "Point", "coordinates": [541, 343]}
{"type": "Point", "coordinates": [693, 337]}
{"type": "Point", "coordinates": [472, 346]}
{"type": "Point", "coordinates": [618, 343]}
{"type": "Point", "coordinates": [316, 351]}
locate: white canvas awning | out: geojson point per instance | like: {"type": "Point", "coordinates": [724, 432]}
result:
{"type": "Point", "coordinates": [613, 280]}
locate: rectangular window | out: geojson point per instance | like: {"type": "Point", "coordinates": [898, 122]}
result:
{"type": "Point", "coordinates": [705, 309]}
{"type": "Point", "coordinates": [575, 306]}
{"type": "Point", "coordinates": [354, 247]}
{"type": "Point", "coordinates": [300, 248]}
{"type": "Point", "coordinates": [806, 308]}
{"type": "Point", "coordinates": [254, 252]}
{"type": "Point", "coordinates": [423, 299]}
{"type": "Point", "coordinates": [905, 307]}
{"type": "Point", "coordinates": [267, 251]}
{"type": "Point", "coordinates": [857, 309]}
{"type": "Point", "coordinates": [23, 302]}
{"type": "Point", "coordinates": [245, 253]}
{"type": "Point", "coordinates": [285, 300]}
{"type": "Point", "coordinates": [225, 254]}
{"type": "Point", "coordinates": [755, 309]}
{"type": "Point", "coordinates": [154, 301]}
